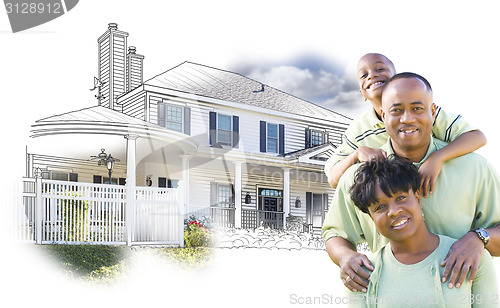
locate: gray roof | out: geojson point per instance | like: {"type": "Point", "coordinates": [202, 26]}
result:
{"type": "Point", "coordinates": [228, 86]}
{"type": "Point", "coordinates": [94, 114]}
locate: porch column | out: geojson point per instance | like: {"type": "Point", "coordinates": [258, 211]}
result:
{"type": "Point", "coordinates": [38, 206]}
{"type": "Point", "coordinates": [185, 177]}
{"type": "Point", "coordinates": [237, 194]}
{"type": "Point", "coordinates": [130, 186]}
{"type": "Point", "coordinates": [286, 195]}
{"type": "Point", "coordinates": [185, 198]}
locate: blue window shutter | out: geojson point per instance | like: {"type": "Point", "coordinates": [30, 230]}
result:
{"type": "Point", "coordinates": [263, 136]}
{"type": "Point", "coordinates": [281, 141]}
{"type": "Point", "coordinates": [212, 127]}
{"type": "Point", "coordinates": [187, 120]}
{"type": "Point", "coordinates": [308, 138]}
{"type": "Point", "coordinates": [236, 131]}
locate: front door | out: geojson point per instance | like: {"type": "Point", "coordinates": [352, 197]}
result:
{"type": "Point", "coordinates": [271, 208]}
{"type": "Point", "coordinates": [316, 206]}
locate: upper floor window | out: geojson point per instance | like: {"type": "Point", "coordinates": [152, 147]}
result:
{"type": "Point", "coordinates": [223, 129]}
{"type": "Point", "coordinates": [272, 137]}
{"type": "Point", "coordinates": [174, 117]}
{"type": "Point", "coordinates": [315, 137]}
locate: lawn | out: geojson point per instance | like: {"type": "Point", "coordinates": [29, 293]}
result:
{"type": "Point", "coordinates": [105, 264]}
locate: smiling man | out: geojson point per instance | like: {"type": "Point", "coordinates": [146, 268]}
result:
{"type": "Point", "coordinates": [463, 206]}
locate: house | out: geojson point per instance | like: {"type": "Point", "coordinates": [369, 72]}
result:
{"type": "Point", "coordinates": [247, 154]}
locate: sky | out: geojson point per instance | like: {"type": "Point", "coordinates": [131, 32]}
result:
{"type": "Point", "coordinates": [308, 49]}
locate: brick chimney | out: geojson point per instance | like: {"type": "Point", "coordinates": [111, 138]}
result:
{"type": "Point", "coordinates": [134, 69]}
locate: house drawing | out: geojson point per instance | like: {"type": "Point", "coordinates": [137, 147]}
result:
{"type": "Point", "coordinates": [235, 150]}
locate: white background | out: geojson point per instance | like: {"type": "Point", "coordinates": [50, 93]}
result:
{"type": "Point", "coordinates": [49, 70]}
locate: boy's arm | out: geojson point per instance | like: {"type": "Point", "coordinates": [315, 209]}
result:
{"type": "Point", "coordinates": [465, 143]}
{"type": "Point", "coordinates": [361, 154]}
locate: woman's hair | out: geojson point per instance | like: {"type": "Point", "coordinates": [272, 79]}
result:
{"type": "Point", "coordinates": [393, 174]}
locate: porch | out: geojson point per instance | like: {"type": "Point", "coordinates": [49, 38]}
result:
{"type": "Point", "coordinates": [224, 217]}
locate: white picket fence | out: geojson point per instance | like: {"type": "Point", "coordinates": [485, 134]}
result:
{"type": "Point", "coordinates": [55, 212]}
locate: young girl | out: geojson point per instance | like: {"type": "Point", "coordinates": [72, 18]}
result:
{"type": "Point", "coordinates": [407, 271]}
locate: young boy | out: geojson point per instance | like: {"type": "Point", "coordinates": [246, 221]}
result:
{"type": "Point", "coordinates": [407, 270]}
{"type": "Point", "coordinates": [366, 134]}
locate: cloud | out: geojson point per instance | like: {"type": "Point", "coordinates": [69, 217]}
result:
{"type": "Point", "coordinates": [303, 83]}
{"type": "Point", "coordinates": [314, 80]}
{"type": "Point", "coordinates": [347, 103]}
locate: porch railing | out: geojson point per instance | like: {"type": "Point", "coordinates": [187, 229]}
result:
{"type": "Point", "coordinates": [251, 219]}
{"type": "Point", "coordinates": [219, 216]}
{"type": "Point", "coordinates": [71, 212]}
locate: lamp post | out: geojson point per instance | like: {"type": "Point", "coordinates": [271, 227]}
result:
{"type": "Point", "coordinates": [110, 162]}
{"type": "Point", "coordinates": [106, 160]}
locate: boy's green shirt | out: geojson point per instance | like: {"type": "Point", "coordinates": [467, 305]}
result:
{"type": "Point", "coordinates": [367, 130]}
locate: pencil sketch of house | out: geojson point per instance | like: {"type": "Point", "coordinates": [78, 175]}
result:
{"type": "Point", "coordinates": [218, 143]}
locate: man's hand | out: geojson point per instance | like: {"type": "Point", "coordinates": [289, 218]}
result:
{"type": "Point", "coordinates": [463, 255]}
{"type": "Point", "coordinates": [365, 154]}
{"type": "Point", "coordinates": [354, 277]}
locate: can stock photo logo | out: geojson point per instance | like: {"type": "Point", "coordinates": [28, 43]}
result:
{"type": "Point", "coordinates": [27, 14]}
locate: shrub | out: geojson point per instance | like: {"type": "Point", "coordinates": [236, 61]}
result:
{"type": "Point", "coordinates": [196, 234]}
{"type": "Point", "coordinates": [75, 219]}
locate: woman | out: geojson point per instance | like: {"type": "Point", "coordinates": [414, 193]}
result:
{"type": "Point", "coordinates": [407, 271]}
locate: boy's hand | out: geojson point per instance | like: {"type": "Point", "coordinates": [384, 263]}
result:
{"type": "Point", "coordinates": [463, 255]}
{"type": "Point", "coordinates": [352, 274]}
{"type": "Point", "coordinates": [365, 154]}
{"type": "Point", "coordinates": [429, 171]}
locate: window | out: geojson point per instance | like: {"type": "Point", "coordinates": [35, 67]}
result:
{"type": "Point", "coordinates": [221, 195]}
{"type": "Point", "coordinates": [174, 117]}
{"type": "Point", "coordinates": [272, 138]}
{"type": "Point", "coordinates": [59, 176]}
{"type": "Point", "coordinates": [167, 183]}
{"type": "Point", "coordinates": [224, 196]}
{"type": "Point", "coordinates": [224, 131]}
{"type": "Point", "coordinates": [315, 137]}
{"type": "Point", "coordinates": [99, 179]}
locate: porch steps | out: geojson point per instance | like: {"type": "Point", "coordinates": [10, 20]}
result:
{"type": "Point", "coordinates": [316, 231]}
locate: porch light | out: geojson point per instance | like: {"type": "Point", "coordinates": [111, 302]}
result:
{"type": "Point", "coordinates": [106, 160]}
{"type": "Point", "coordinates": [248, 198]}
{"type": "Point", "coordinates": [110, 162]}
{"type": "Point", "coordinates": [297, 202]}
